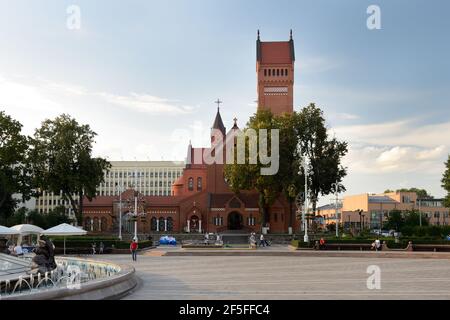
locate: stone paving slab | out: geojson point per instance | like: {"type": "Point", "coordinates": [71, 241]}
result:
{"type": "Point", "coordinates": [285, 277]}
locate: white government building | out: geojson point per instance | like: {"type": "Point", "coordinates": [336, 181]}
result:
{"type": "Point", "coordinates": [151, 178]}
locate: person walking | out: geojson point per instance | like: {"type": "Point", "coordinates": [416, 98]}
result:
{"type": "Point", "coordinates": [262, 241]}
{"type": "Point", "coordinates": [101, 247]}
{"type": "Point", "coordinates": [93, 248]}
{"type": "Point", "coordinates": [321, 243]}
{"type": "Point", "coordinates": [133, 249]}
{"type": "Point", "coordinates": [377, 244]}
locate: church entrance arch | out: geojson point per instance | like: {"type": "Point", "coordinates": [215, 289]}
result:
{"type": "Point", "coordinates": [194, 224]}
{"type": "Point", "coordinates": [235, 221]}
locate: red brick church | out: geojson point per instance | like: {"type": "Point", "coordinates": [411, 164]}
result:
{"type": "Point", "coordinates": [201, 199]}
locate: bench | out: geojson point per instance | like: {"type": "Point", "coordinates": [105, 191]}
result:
{"type": "Point", "coordinates": [431, 247]}
{"type": "Point", "coordinates": [344, 246]}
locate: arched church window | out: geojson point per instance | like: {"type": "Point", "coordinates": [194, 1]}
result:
{"type": "Point", "coordinates": [286, 72]}
{"type": "Point", "coordinates": [191, 184]}
{"type": "Point", "coordinates": [87, 223]}
{"type": "Point", "coordinates": [103, 223]}
{"type": "Point", "coordinates": [199, 184]}
{"type": "Point", "coordinates": [169, 224]}
{"type": "Point", "coordinates": [161, 224]}
{"type": "Point", "coordinates": [265, 72]}
{"type": "Point", "coordinates": [96, 225]}
{"type": "Point", "coordinates": [269, 71]}
{"type": "Point", "coordinates": [278, 72]}
{"type": "Point", "coordinates": [153, 224]}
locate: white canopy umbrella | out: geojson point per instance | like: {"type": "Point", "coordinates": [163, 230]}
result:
{"type": "Point", "coordinates": [26, 229]}
{"type": "Point", "coordinates": [5, 231]}
{"type": "Point", "coordinates": [65, 229]}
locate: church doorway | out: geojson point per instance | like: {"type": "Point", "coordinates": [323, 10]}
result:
{"type": "Point", "coordinates": [235, 221]}
{"type": "Point", "coordinates": [194, 224]}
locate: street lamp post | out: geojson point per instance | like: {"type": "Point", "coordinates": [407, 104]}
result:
{"type": "Point", "coordinates": [420, 213]}
{"type": "Point", "coordinates": [304, 163]}
{"type": "Point", "coordinates": [120, 210]}
{"type": "Point", "coordinates": [136, 209]}
{"type": "Point", "coordinates": [337, 186]}
{"type": "Point", "coordinates": [135, 214]}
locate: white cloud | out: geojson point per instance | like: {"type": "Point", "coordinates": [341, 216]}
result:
{"type": "Point", "coordinates": [315, 64]}
{"type": "Point", "coordinates": [147, 103]}
{"type": "Point", "coordinates": [347, 116]}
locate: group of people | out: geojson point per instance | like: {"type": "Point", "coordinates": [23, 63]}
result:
{"type": "Point", "coordinates": [101, 247]}
{"type": "Point", "coordinates": [18, 249]}
{"type": "Point", "coordinates": [218, 238]}
{"type": "Point", "coordinates": [13, 250]}
{"type": "Point", "coordinates": [262, 241]}
{"type": "Point", "coordinates": [376, 245]}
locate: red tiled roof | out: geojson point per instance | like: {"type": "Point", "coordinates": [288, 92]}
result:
{"type": "Point", "coordinates": [178, 182]}
{"type": "Point", "coordinates": [276, 52]}
{"type": "Point", "coordinates": [99, 201]}
{"type": "Point", "coordinates": [221, 199]}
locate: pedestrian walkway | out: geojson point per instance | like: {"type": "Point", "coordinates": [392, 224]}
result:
{"type": "Point", "coordinates": [285, 277]}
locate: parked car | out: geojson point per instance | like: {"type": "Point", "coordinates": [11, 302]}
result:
{"type": "Point", "coordinates": [384, 233]}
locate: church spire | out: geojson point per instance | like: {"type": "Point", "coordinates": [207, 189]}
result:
{"type": "Point", "coordinates": [218, 123]}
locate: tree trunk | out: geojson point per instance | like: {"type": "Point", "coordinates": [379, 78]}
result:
{"type": "Point", "coordinates": [291, 213]}
{"type": "Point", "coordinates": [74, 206]}
{"type": "Point", "coordinates": [80, 209]}
{"type": "Point", "coordinates": [263, 207]}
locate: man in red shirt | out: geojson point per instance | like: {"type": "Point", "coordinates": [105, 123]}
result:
{"type": "Point", "coordinates": [133, 249]}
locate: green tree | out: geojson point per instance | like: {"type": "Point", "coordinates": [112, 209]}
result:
{"type": "Point", "coordinates": [421, 193]}
{"type": "Point", "coordinates": [325, 153]}
{"type": "Point", "coordinates": [395, 220]}
{"type": "Point", "coordinates": [413, 217]}
{"type": "Point", "coordinates": [14, 172]}
{"type": "Point", "coordinates": [62, 161]}
{"type": "Point", "coordinates": [292, 179]}
{"type": "Point", "coordinates": [446, 182]}
{"type": "Point", "coordinates": [248, 176]}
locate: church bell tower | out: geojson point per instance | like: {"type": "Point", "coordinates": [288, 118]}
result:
{"type": "Point", "coordinates": [275, 74]}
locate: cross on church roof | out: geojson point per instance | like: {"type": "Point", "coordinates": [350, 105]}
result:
{"type": "Point", "coordinates": [218, 103]}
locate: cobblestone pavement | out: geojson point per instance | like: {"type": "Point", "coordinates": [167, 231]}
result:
{"type": "Point", "coordinates": [290, 277]}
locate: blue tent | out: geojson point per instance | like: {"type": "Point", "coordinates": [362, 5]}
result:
{"type": "Point", "coordinates": [167, 240]}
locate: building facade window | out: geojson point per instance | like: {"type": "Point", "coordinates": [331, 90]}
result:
{"type": "Point", "coordinates": [199, 184]}
{"type": "Point", "coordinates": [218, 221]}
{"type": "Point", "coordinates": [191, 184]}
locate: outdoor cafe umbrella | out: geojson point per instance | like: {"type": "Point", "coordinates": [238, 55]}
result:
{"type": "Point", "coordinates": [26, 229]}
{"type": "Point", "coordinates": [64, 229]}
{"type": "Point", "coordinates": [5, 231]}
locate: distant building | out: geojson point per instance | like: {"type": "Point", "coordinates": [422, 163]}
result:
{"type": "Point", "coordinates": [150, 178]}
{"type": "Point", "coordinates": [375, 209]}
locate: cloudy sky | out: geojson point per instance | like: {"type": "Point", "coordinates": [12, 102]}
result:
{"type": "Point", "coordinates": [145, 74]}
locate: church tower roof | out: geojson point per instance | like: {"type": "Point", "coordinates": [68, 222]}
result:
{"type": "Point", "coordinates": [275, 52]}
{"type": "Point", "coordinates": [218, 123]}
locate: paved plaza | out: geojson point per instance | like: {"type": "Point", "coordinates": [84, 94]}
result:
{"type": "Point", "coordinates": [284, 277]}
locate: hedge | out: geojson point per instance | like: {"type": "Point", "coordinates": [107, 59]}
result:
{"type": "Point", "coordinates": [391, 243]}
{"type": "Point", "coordinates": [87, 243]}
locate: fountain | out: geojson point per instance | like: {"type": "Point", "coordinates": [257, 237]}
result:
{"type": "Point", "coordinates": [70, 278]}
